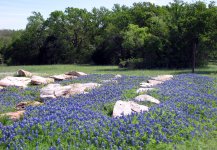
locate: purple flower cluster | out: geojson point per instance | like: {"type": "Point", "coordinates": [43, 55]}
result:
{"type": "Point", "coordinates": [187, 109]}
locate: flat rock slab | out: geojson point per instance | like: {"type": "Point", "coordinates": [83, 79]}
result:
{"type": "Point", "coordinates": [62, 77]}
{"type": "Point", "coordinates": [147, 98]}
{"type": "Point", "coordinates": [163, 77]}
{"type": "Point", "coordinates": [118, 76]}
{"type": "Point", "coordinates": [23, 105]}
{"type": "Point", "coordinates": [14, 115]}
{"type": "Point", "coordinates": [56, 90]}
{"type": "Point", "coordinates": [37, 80]}
{"type": "Point", "coordinates": [141, 90]}
{"type": "Point", "coordinates": [24, 73]}
{"type": "Point", "coordinates": [76, 73]}
{"type": "Point", "coordinates": [127, 108]}
{"type": "Point", "coordinates": [154, 82]}
{"type": "Point", "coordinates": [146, 85]}
{"type": "Point", "coordinates": [15, 81]}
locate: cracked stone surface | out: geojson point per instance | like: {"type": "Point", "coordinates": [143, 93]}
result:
{"type": "Point", "coordinates": [147, 98]}
{"type": "Point", "coordinates": [15, 81]}
{"type": "Point", "coordinates": [126, 108]}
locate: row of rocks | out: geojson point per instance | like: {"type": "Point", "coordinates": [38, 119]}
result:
{"type": "Point", "coordinates": [50, 91]}
{"type": "Point", "coordinates": [128, 107]}
{"type": "Point", "coordinates": [36, 80]}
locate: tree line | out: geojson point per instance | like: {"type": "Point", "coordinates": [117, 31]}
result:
{"type": "Point", "coordinates": [144, 35]}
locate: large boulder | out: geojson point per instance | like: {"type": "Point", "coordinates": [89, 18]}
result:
{"type": "Point", "coordinates": [15, 81]}
{"type": "Point", "coordinates": [14, 115]}
{"type": "Point", "coordinates": [147, 98]}
{"type": "Point", "coordinates": [121, 108]}
{"type": "Point", "coordinates": [142, 90]}
{"type": "Point", "coordinates": [127, 108]}
{"type": "Point", "coordinates": [56, 90]}
{"type": "Point", "coordinates": [163, 77]}
{"type": "Point", "coordinates": [24, 73]}
{"type": "Point", "coordinates": [62, 77]}
{"type": "Point", "coordinates": [23, 105]}
{"type": "Point", "coordinates": [76, 73]}
{"type": "Point", "coordinates": [37, 80]}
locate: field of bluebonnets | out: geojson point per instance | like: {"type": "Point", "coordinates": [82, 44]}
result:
{"type": "Point", "coordinates": [188, 111]}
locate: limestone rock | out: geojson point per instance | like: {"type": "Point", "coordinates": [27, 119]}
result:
{"type": "Point", "coordinates": [76, 73]}
{"type": "Point", "coordinates": [154, 82]}
{"type": "Point", "coordinates": [1, 87]}
{"type": "Point", "coordinates": [23, 105]}
{"type": "Point", "coordinates": [163, 77]}
{"type": "Point", "coordinates": [37, 80]}
{"type": "Point", "coordinates": [127, 108]}
{"type": "Point", "coordinates": [141, 90]}
{"type": "Point", "coordinates": [89, 86]}
{"type": "Point", "coordinates": [24, 73]}
{"type": "Point", "coordinates": [62, 77]}
{"type": "Point", "coordinates": [15, 81]}
{"type": "Point", "coordinates": [147, 98]}
{"type": "Point", "coordinates": [14, 115]}
{"type": "Point", "coordinates": [56, 90]}
{"type": "Point", "coordinates": [146, 85]}
{"type": "Point", "coordinates": [49, 91]}
{"type": "Point", "coordinates": [121, 108]}
{"type": "Point", "coordinates": [137, 108]}
{"type": "Point", "coordinates": [118, 76]}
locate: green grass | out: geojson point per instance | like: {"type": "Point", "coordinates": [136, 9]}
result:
{"type": "Point", "coordinates": [46, 70]}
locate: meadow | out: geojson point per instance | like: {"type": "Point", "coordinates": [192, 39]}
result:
{"type": "Point", "coordinates": [186, 118]}
{"type": "Point", "coordinates": [46, 70]}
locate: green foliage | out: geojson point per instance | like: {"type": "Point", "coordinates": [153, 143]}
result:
{"type": "Point", "coordinates": [162, 36]}
{"type": "Point", "coordinates": [133, 63]}
{"type": "Point", "coordinates": [129, 94]}
{"type": "Point", "coordinates": [5, 120]}
{"type": "Point", "coordinates": [108, 109]}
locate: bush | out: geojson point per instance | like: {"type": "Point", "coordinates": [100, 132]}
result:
{"type": "Point", "coordinates": [132, 63]}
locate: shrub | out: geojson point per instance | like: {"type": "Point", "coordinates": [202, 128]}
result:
{"type": "Point", "coordinates": [132, 63]}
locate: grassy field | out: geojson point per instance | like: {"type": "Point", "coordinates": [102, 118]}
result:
{"type": "Point", "coordinates": [46, 70]}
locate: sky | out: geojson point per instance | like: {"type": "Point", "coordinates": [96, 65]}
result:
{"type": "Point", "coordinates": [14, 13]}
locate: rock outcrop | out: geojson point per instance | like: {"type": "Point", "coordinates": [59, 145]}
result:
{"type": "Point", "coordinates": [127, 108]}
{"type": "Point", "coordinates": [23, 105]}
{"type": "Point", "coordinates": [14, 115]}
{"type": "Point", "coordinates": [142, 90]}
{"type": "Point", "coordinates": [163, 77]}
{"type": "Point", "coordinates": [156, 81]}
{"type": "Point", "coordinates": [56, 90]}
{"type": "Point", "coordinates": [147, 98]}
{"type": "Point", "coordinates": [37, 80]}
{"type": "Point", "coordinates": [146, 85]}
{"type": "Point", "coordinates": [62, 77]}
{"type": "Point", "coordinates": [76, 73]}
{"type": "Point", "coordinates": [24, 73]}
{"type": "Point", "coordinates": [15, 81]}
{"type": "Point", "coordinates": [118, 76]}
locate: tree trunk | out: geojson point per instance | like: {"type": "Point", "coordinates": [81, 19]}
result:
{"type": "Point", "coordinates": [193, 55]}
